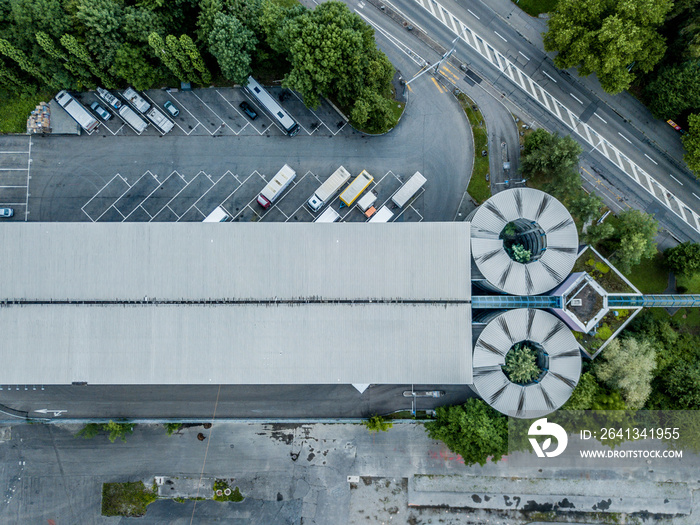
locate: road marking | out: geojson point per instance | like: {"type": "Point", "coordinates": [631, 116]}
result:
{"type": "Point", "coordinates": [499, 36]}
{"type": "Point", "coordinates": [472, 13]}
{"type": "Point", "coordinates": [601, 118]}
{"type": "Point", "coordinates": [576, 98]}
{"type": "Point", "coordinates": [550, 77]}
{"type": "Point", "coordinates": [696, 196]}
{"type": "Point", "coordinates": [628, 140]}
{"type": "Point", "coordinates": [523, 54]}
{"type": "Point", "coordinates": [436, 84]}
{"type": "Point", "coordinates": [674, 178]}
{"type": "Point", "coordinates": [647, 156]}
{"type": "Point", "coordinates": [55, 412]}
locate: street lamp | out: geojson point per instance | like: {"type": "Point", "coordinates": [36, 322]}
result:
{"type": "Point", "coordinates": [439, 62]}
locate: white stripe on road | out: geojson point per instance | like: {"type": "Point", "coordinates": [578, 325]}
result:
{"type": "Point", "coordinates": [696, 196]}
{"type": "Point", "coordinates": [523, 54]}
{"type": "Point", "coordinates": [550, 77]}
{"type": "Point", "coordinates": [628, 140]}
{"type": "Point", "coordinates": [575, 98]}
{"type": "Point", "coordinates": [472, 13]}
{"type": "Point", "coordinates": [674, 178]}
{"type": "Point", "coordinates": [499, 36]}
{"type": "Point", "coordinates": [647, 156]}
{"type": "Point", "coordinates": [601, 118]}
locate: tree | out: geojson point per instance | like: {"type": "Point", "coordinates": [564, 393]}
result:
{"type": "Point", "coordinates": [675, 89]}
{"type": "Point", "coordinates": [584, 205]}
{"type": "Point", "coordinates": [162, 52]}
{"type": "Point", "coordinates": [626, 365]}
{"type": "Point", "coordinates": [9, 80]}
{"type": "Point", "coordinates": [77, 71]}
{"type": "Point", "coordinates": [377, 424]}
{"type": "Point", "coordinates": [114, 428]}
{"type": "Point", "coordinates": [102, 21]}
{"type": "Point", "coordinates": [683, 385]}
{"type": "Point", "coordinates": [131, 65]}
{"type": "Point", "coordinates": [684, 258]}
{"type": "Point", "coordinates": [521, 364]}
{"type": "Point", "coordinates": [610, 38]}
{"type": "Point", "coordinates": [79, 51]}
{"type": "Point", "coordinates": [23, 62]}
{"type": "Point", "coordinates": [192, 52]}
{"type": "Point", "coordinates": [474, 430]}
{"type": "Point", "coordinates": [171, 428]}
{"type": "Point", "coordinates": [598, 233]}
{"type": "Point", "coordinates": [553, 159]}
{"type": "Point", "coordinates": [691, 142]}
{"type": "Point", "coordinates": [232, 45]}
{"type": "Point", "coordinates": [585, 393]}
{"type": "Point", "coordinates": [520, 254]}
{"type": "Point", "coordinates": [636, 232]}
{"type": "Point", "coordinates": [176, 51]}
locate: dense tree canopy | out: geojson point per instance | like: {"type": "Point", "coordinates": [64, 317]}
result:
{"type": "Point", "coordinates": [691, 142]}
{"type": "Point", "coordinates": [675, 89]}
{"type": "Point", "coordinates": [684, 258]}
{"type": "Point", "coordinates": [611, 38]}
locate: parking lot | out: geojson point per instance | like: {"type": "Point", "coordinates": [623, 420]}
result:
{"type": "Point", "coordinates": [14, 175]}
{"type": "Point", "coordinates": [175, 197]}
{"type": "Point", "coordinates": [216, 111]}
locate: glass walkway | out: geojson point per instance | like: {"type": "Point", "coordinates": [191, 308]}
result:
{"type": "Point", "coordinates": [651, 301]}
{"type": "Point", "coordinates": [507, 302]}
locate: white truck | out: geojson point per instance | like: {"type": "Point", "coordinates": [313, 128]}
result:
{"type": "Point", "coordinates": [383, 215]}
{"type": "Point", "coordinates": [160, 121]}
{"type": "Point", "coordinates": [76, 110]}
{"type": "Point", "coordinates": [408, 190]}
{"type": "Point", "coordinates": [136, 100]}
{"type": "Point", "coordinates": [330, 215]}
{"type": "Point", "coordinates": [357, 186]}
{"type": "Point", "coordinates": [328, 189]}
{"type": "Point", "coordinates": [218, 215]}
{"type": "Point", "coordinates": [131, 117]}
{"type": "Point", "coordinates": [110, 99]}
{"type": "Point", "coordinates": [276, 186]}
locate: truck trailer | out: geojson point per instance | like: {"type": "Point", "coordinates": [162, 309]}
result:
{"type": "Point", "coordinates": [383, 215]}
{"type": "Point", "coordinates": [160, 121]}
{"type": "Point", "coordinates": [408, 190]}
{"type": "Point", "coordinates": [330, 215]}
{"type": "Point", "coordinates": [276, 186]}
{"type": "Point", "coordinates": [76, 110]}
{"type": "Point", "coordinates": [357, 186]}
{"type": "Point", "coordinates": [136, 100]}
{"type": "Point", "coordinates": [329, 189]}
{"type": "Point", "coordinates": [110, 99]}
{"type": "Point", "coordinates": [218, 215]}
{"type": "Point", "coordinates": [130, 117]}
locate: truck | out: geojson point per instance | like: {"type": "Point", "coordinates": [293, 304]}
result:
{"type": "Point", "coordinates": [131, 118]}
{"type": "Point", "coordinates": [408, 190]}
{"type": "Point", "coordinates": [76, 110]}
{"type": "Point", "coordinates": [330, 215]}
{"type": "Point", "coordinates": [383, 215]}
{"type": "Point", "coordinates": [109, 98]}
{"type": "Point", "coordinates": [160, 121]}
{"type": "Point", "coordinates": [328, 189]}
{"type": "Point", "coordinates": [357, 186]}
{"type": "Point", "coordinates": [218, 215]}
{"type": "Point", "coordinates": [136, 100]}
{"type": "Point", "coordinates": [276, 186]}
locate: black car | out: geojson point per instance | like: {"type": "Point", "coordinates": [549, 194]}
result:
{"type": "Point", "coordinates": [248, 110]}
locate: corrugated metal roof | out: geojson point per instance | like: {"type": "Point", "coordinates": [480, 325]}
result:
{"type": "Point", "coordinates": [498, 268]}
{"type": "Point", "coordinates": [267, 261]}
{"type": "Point", "coordinates": [533, 400]}
{"type": "Point", "coordinates": [235, 344]}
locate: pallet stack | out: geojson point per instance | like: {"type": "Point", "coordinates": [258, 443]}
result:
{"type": "Point", "coordinates": [39, 120]}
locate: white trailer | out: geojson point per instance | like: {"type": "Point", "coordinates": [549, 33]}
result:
{"type": "Point", "coordinates": [365, 202]}
{"type": "Point", "coordinates": [160, 121]}
{"type": "Point", "coordinates": [218, 215]}
{"type": "Point", "coordinates": [329, 188]}
{"type": "Point", "coordinates": [330, 215]}
{"type": "Point", "coordinates": [408, 190]}
{"type": "Point", "coordinates": [276, 186]}
{"type": "Point", "coordinates": [76, 110]}
{"type": "Point", "coordinates": [131, 118]}
{"type": "Point", "coordinates": [136, 100]}
{"type": "Point", "coordinates": [109, 98]}
{"type": "Point", "coordinates": [357, 186]}
{"type": "Point", "coordinates": [383, 215]}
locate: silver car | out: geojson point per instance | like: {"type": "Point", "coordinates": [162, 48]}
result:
{"type": "Point", "coordinates": [6, 212]}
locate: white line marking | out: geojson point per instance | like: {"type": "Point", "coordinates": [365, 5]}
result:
{"type": "Point", "coordinates": [674, 178]}
{"type": "Point", "coordinates": [628, 140]}
{"type": "Point", "coordinates": [576, 98]}
{"type": "Point", "coordinates": [647, 156]}
{"type": "Point", "coordinates": [499, 36]}
{"type": "Point", "coordinates": [472, 13]}
{"type": "Point", "coordinates": [547, 75]}
{"type": "Point", "coordinates": [601, 118]}
{"type": "Point", "coordinates": [696, 196]}
{"type": "Point", "coordinates": [523, 54]}
{"type": "Point", "coordinates": [25, 152]}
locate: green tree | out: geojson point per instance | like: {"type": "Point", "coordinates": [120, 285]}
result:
{"type": "Point", "coordinates": [684, 258]}
{"type": "Point", "coordinates": [610, 38]}
{"type": "Point", "coordinates": [598, 233]}
{"type": "Point", "coordinates": [636, 232]}
{"type": "Point", "coordinates": [675, 89]}
{"type": "Point", "coordinates": [521, 364]}
{"type": "Point", "coordinates": [77, 71]}
{"type": "Point", "coordinates": [195, 57]}
{"type": "Point", "coordinates": [162, 52]}
{"type": "Point", "coordinates": [10, 81]}
{"type": "Point", "coordinates": [683, 385]}
{"type": "Point", "coordinates": [474, 430]}
{"type": "Point", "coordinates": [691, 142]}
{"type": "Point", "coordinates": [232, 45]}
{"type": "Point", "coordinates": [585, 393]}
{"type": "Point", "coordinates": [23, 62]}
{"type": "Point", "coordinates": [553, 159]}
{"type": "Point", "coordinates": [131, 65]}
{"type": "Point", "coordinates": [102, 21]}
{"type": "Point", "coordinates": [89, 431]}
{"type": "Point", "coordinates": [175, 49]}
{"type": "Point", "coordinates": [584, 205]}
{"type": "Point", "coordinates": [171, 428]}
{"type": "Point", "coordinates": [626, 365]}
{"type": "Point", "coordinates": [377, 424]}
{"type": "Point", "coordinates": [118, 430]}
{"type": "Point", "coordinates": [520, 254]}
{"type": "Point", "coordinates": [79, 51]}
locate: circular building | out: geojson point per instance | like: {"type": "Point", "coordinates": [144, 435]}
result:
{"type": "Point", "coordinates": [498, 375]}
{"type": "Point", "coordinates": [524, 242]}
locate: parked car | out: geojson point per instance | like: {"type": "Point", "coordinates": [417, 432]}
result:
{"type": "Point", "coordinates": [171, 108]}
{"type": "Point", "coordinates": [6, 212]}
{"type": "Point", "coordinates": [102, 112]}
{"type": "Point", "coordinates": [248, 110]}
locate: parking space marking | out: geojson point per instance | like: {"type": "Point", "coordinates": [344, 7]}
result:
{"type": "Point", "coordinates": [223, 122]}
{"type": "Point", "coordinates": [199, 123]}
{"type": "Point", "coordinates": [171, 118]}
{"type": "Point", "coordinates": [100, 191]}
{"type": "Point", "coordinates": [247, 122]}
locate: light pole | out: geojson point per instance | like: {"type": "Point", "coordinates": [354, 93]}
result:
{"type": "Point", "coordinates": [444, 57]}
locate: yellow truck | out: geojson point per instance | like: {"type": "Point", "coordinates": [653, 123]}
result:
{"type": "Point", "coordinates": [357, 186]}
